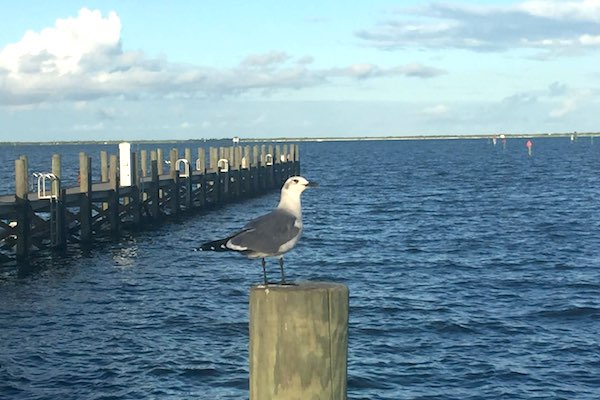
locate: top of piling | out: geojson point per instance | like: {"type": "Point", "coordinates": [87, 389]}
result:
{"type": "Point", "coordinates": [300, 286]}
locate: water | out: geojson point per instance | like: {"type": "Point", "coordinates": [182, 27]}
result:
{"type": "Point", "coordinates": [473, 274]}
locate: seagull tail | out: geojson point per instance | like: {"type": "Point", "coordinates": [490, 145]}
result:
{"type": "Point", "coordinates": [215, 245]}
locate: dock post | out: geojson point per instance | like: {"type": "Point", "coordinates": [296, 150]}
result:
{"type": "Point", "coordinates": [246, 172]}
{"type": "Point", "coordinates": [277, 173]}
{"type": "Point", "coordinates": [189, 199]}
{"type": "Point", "coordinates": [298, 341]}
{"type": "Point", "coordinates": [201, 161]}
{"type": "Point", "coordinates": [201, 166]}
{"type": "Point", "coordinates": [213, 158]}
{"type": "Point", "coordinates": [187, 154]}
{"type": "Point", "coordinates": [23, 207]}
{"type": "Point", "coordinates": [159, 158]}
{"type": "Point", "coordinates": [271, 168]}
{"type": "Point", "coordinates": [296, 160]}
{"type": "Point", "coordinates": [255, 165]}
{"type": "Point", "coordinates": [175, 202]}
{"type": "Point", "coordinates": [63, 237]}
{"type": "Point", "coordinates": [144, 173]}
{"type": "Point", "coordinates": [154, 192]}
{"type": "Point", "coordinates": [135, 203]}
{"type": "Point", "coordinates": [236, 176]}
{"type": "Point", "coordinates": [56, 170]}
{"type": "Point", "coordinates": [262, 170]}
{"type": "Point", "coordinates": [113, 202]}
{"type": "Point", "coordinates": [144, 163]}
{"type": "Point", "coordinates": [85, 187]}
{"type": "Point", "coordinates": [103, 166]}
{"type": "Point", "coordinates": [59, 213]}
{"type": "Point", "coordinates": [173, 156]}
{"type": "Point", "coordinates": [174, 172]}
{"type": "Point", "coordinates": [285, 163]}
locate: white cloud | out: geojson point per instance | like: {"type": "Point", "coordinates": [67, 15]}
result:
{"type": "Point", "coordinates": [267, 59]}
{"type": "Point", "coordinates": [61, 50]}
{"type": "Point", "coordinates": [540, 24]}
{"type": "Point", "coordinates": [439, 110]}
{"type": "Point", "coordinates": [587, 10]}
{"type": "Point", "coordinates": [570, 104]}
{"type": "Point", "coordinates": [81, 59]}
{"type": "Point", "coordinates": [367, 70]}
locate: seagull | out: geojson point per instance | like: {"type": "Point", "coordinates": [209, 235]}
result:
{"type": "Point", "coordinates": [272, 234]}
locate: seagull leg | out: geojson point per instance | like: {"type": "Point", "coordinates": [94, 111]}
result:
{"type": "Point", "coordinates": [282, 273]}
{"type": "Point", "coordinates": [264, 265]}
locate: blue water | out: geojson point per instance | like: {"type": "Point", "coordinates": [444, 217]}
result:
{"type": "Point", "coordinates": [474, 273]}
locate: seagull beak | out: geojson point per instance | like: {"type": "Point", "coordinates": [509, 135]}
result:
{"type": "Point", "coordinates": [312, 184]}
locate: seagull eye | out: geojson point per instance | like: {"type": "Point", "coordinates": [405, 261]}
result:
{"type": "Point", "coordinates": [295, 181]}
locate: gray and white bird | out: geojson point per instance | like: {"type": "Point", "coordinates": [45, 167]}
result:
{"type": "Point", "coordinates": [270, 235]}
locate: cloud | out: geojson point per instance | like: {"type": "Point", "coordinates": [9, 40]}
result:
{"type": "Point", "coordinates": [558, 100]}
{"type": "Point", "coordinates": [438, 111]}
{"type": "Point", "coordinates": [570, 103]}
{"type": "Point", "coordinates": [557, 89]}
{"type": "Point", "coordinates": [264, 60]}
{"type": "Point", "coordinates": [366, 70]}
{"type": "Point", "coordinates": [82, 59]}
{"type": "Point", "coordinates": [541, 24]}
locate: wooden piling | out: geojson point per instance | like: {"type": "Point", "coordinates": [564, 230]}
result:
{"type": "Point", "coordinates": [173, 156]}
{"type": "Point", "coordinates": [56, 170]}
{"type": "Point", "coordinates": [113, 200]}
{"type": "Point", "coordinates": [189, 200]}
{"type": "Point", "coordinates": [201, 163]}
{"type": "Point", "coordinates": [23, 209]}
{"type": "Point", "coordinates": [103, 166]}
{"type": "Point", "coordinates": [188, 156]}
{"type": "Point", "coordinates": [296, 160]}
{"type": "Point", "coordinates": [159, 158]}
{"type": "Point", "coordinates": [85, 188]}
{"type": "Point", "coordinates": [213, 158]}
{"type": "Point", "coordinates": [144, 163]}
{"type": "Point", "coordinates": [135, 196]}
{"type": "Point", "coordinates": [60, 239]}
{"type": "Point", "coordinates": [154, 192]}
{"type": "Point", "coordinates": [175, 203]}
{"type": "Point", "coordinates": [298, 341]}
{"type": "Point", "coordinates": [26, 162]}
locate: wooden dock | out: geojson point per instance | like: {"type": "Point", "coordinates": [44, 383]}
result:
{"type": "Point", "coordinates": [147, 191]}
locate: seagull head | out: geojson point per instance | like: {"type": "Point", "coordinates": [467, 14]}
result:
{"type": "Point", "coordinates": [297, 184]}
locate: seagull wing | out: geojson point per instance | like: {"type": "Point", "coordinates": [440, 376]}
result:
{"type": "Point", "coordinates": [266, 234]}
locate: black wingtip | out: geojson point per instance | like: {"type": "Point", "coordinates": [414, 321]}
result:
{"type": "Point", "coordinates": [217, 245]}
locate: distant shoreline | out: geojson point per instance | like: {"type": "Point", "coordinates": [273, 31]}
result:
{"type": "Point", "coordinates": [315, 139]}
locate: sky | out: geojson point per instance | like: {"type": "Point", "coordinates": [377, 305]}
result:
{"type": "Point", "coordinates": [134, 70]}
